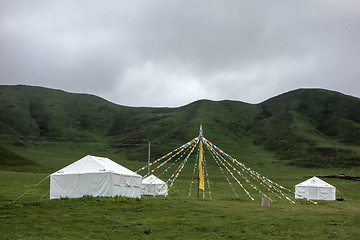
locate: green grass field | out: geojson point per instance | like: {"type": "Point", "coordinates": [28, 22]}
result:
{"type": "Point", "coordinates": [34, 216]}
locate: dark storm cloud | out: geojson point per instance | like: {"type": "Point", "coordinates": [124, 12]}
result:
{"type": "Point", "coordinates": [169, 53]}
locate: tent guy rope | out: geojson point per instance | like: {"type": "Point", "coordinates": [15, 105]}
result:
{"type": "Point", "coordinates": [31, 188]}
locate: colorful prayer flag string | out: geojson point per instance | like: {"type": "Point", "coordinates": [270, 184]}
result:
{"type": "Point", "coordinates": [194, 172]}
{"type": "Point", "coordinates": [207, 178]}
{"type": "Point", "coordinates": [225, 162]}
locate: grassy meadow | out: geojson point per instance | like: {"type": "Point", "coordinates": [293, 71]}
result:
{"type": "Point", "coordinates": [224, 216]}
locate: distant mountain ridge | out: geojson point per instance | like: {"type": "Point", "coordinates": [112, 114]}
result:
{"type": "Point", "coordinates": [304, 127]}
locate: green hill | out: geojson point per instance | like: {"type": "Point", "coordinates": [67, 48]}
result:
{"type": "Point", "coordinates": [311, 127]}
{"type": "Point", "coordinates": [308, 128]}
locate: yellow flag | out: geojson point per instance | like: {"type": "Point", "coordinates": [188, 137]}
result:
{"type": "Point", "coordinates": [201, 175]}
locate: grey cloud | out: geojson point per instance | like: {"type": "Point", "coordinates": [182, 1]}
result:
{"type": "Point", "coordinates": [169, 53]}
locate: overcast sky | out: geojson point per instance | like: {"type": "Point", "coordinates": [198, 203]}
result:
{"type": "Point", "coordinates": [171, 53]}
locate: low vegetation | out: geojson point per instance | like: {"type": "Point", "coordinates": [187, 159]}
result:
{"type": "Point", "coordinates": [34, 216]}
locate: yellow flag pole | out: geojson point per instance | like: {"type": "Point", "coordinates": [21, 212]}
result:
{"type": "Point", "coordinates": [201, 174]}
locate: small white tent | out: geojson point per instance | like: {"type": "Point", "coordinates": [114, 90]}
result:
{"type": "Point", "coordinates": [94, 176]}
{"type": "Point", "coordinates": [153, 185]}
{"type": "Point", "coordinates": [315, 189]}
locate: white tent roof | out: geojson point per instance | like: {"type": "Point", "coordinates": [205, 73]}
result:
{"type": "Point", "coordinates": [152, 180]}
{"type": "Point", "coordinates": [92, 164]}
{"type": "Point", "coordinates": [314, 182]}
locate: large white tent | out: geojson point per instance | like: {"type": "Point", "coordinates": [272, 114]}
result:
{"type": "Point", "coordinates": [94, 176]}
{"type": "Point", "coordinates": [315, 189]}
{"type": "Point", "coordinates": [153, 185]}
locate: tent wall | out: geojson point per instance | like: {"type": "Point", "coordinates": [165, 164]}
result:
{"type": "Point", "coordinates": [315, 193]}
{"type": "Point", "coordinates": [154, 189]}
{"type": "Point", "coordinates": [126, 186]}
{"type": "Point", "coordinates": [106, 184]}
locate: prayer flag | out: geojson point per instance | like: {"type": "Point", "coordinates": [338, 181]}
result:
{"type": "Point", "coordinates": [201, 174]}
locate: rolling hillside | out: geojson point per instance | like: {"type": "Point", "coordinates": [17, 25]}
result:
{"type": "Point", "coordinates": [306, 127]}
{"type": "Point", "coordinates": [311, 128]}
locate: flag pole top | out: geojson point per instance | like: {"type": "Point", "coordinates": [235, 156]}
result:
{"type": "Point", "coordinates": [201, 131]}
